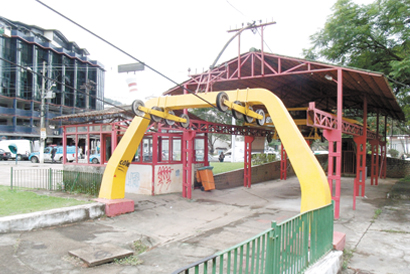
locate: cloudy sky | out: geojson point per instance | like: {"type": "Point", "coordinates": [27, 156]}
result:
{"type": "Point", "coordinates": [172, 36]}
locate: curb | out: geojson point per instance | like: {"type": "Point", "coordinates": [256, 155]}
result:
{"type": "Point", "coordinates": [52, 217]}
{"type": "Point", "coordinates": [329, 264]}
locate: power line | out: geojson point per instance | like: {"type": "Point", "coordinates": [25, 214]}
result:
{"type": "Point", "coordinates": [124, 52]}
{"type": "Point", "coordinates": [248, 17]}
{"type": "Point", "coordinates": [68, 86]}
{"type": "Point", "coordinates": [235, 8]}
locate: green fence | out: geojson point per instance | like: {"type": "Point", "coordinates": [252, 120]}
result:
{"type": "Point", "coordinates": [56, 180]}
{"type": "Point", "coordinates": [289, 247]}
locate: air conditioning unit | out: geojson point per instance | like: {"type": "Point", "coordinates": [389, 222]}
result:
{"type": "Point", "coordinates": [6, 32]}
{"type": "Point", "coordinates": [50, 95]}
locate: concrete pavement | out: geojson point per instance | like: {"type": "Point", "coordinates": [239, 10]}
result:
{"type": "Point", "coordinates": [179, 231]}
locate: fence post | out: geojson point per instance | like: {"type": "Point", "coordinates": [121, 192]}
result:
{"type": "Point", "coordinates": [11, 178]}
{"type": "Point", "coordinates": [50, 179]}
{"type": "Point", "coordinates": [270, 250]}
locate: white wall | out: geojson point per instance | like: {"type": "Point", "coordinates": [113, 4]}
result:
{"type": "Point", "coordinates": [168, 178]}
{"type": "Point", "coordinates": [139, 179]}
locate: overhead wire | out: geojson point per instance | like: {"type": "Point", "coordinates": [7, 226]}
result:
{"type": "Point", "coordinates": [68, 86]}
{"type": "Point", "coordinates": [248, 17]}
{"type": "Point", "coordinates": [126, 53]}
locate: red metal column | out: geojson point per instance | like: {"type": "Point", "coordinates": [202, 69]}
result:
{"type": "Point", "coordinates": [247, 181]}
{"type": "Point", "coordinates": [361, 153]}
{"type": "Point", "coordinates": [383, 159]}
{"type": "Point", "coordinates": [206, 150]}
{"type": "Point", "coordinates": [374, 165]}
{"type": "Point", "coordinates": [154, 161]}
{"type": "Point", "coordinates": [383, 152]}
{"type": "Point", "coordinates": [114, 136]}
{"type": "Point", "coordinates": [335, 148]}
{"type": "Point", "coordinates": [283, 163]}
{"type": "Point", "coordinates": [187, 157]}
{"type": "Point", "coordinates": [374, 172]}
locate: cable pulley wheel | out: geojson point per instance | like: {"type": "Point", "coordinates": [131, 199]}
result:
{"type": "Point", "coordinates": [186, 124]}
{"type": "Point", "coordinates": [135, 110]}
{"type": "Point", "coordinates": [220, 98]}
{"type": "Point", "coordinates": [249, 119]}
{"type": "Point", "coordinates": [237, 115]}
{"type": "Point", "coordinates": [156, 118]}
{"type": "Point", "coordinates": [269, 138]}
{"type": "Point", "coordinates": [260, 122]}
{"type": "Point", "coordinates": [170, 122]}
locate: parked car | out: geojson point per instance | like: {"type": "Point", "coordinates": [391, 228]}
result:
{"type": "Point", "coordinates": [70, 155]}
{"type": "Point", "coordinates": [4, 155]}
{"type": "Point", "coordinates": [95, 158]}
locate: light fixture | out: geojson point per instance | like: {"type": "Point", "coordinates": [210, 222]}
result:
{"type": "Point", "coordinates": [328, 77]}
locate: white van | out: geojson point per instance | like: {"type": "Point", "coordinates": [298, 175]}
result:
{"type": "Point", "coordinates": [24, 148]}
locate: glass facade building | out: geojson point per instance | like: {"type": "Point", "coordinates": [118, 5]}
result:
{"type": "Point", "coordinates": [32, 58]}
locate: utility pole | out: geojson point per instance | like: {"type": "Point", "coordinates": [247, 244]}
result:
{"type": "Point", "coordinates": [43, 130]}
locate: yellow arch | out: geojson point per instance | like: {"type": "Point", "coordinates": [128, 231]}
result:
{"type": "Point", "coordinates": [315, 190]}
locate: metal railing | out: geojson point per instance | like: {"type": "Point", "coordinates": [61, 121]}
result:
{"type": "Point", "coordinates": [56, 180]}
{"type": "Point", "coordinates": [289, 247]}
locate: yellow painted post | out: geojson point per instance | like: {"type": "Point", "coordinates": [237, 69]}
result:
{"type": "Point", "coordinates": [113, 181]}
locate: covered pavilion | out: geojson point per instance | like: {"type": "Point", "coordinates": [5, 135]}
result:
{"type": "Point", "coordinates": [318, 95]}
{"type": "Point", "coordinates": [332, 97]}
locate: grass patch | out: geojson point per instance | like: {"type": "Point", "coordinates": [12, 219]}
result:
{"type": "Point", "coordinates": [347, 255]}
{"type": "Point", "coordinates": [139, 248]}
{"type": "Point", "coordinates": [376, 215]}
{"type": "Point", "coordinates": [405, 179]}
{"type": "Point", "coordinates": [395, 231]}
{"type": "Point", "coordinates": [225, 166]}
{"type": "Point", "coordinates": [14, 202]}
{"type": "Point", "coordinates": [130, 260]}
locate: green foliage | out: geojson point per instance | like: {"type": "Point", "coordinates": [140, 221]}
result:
{"type": "Point", "coordinates": [262, 158]}
{"type": "Point", "coordinates": [394, 153]}
{"type": "Point", "coordinates": [374, 37]}
{"type": "Point", "coordinates": [81, 182]}
{"type": "Point", "coordinates": [19, 202]}
{"type": "Point", "coordinates": [376, 215]}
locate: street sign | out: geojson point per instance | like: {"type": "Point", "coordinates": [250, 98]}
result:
{"type": "Point", "coordinates": [43, 133]}
{"type": "Point", "coordinates": [130, 67]}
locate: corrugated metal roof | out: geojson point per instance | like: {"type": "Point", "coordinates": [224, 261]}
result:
{"type": "Point", "coordinates": [295, 81]}
{"type": "Point", "coordinates": [298, 81]}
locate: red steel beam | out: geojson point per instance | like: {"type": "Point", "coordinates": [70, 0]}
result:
{"type": "Point", "coordinates": [324, 120]}
{"type": "Point", "coordinates": [232, 70]}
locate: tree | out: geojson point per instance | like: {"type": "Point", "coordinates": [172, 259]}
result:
{"type": "Point", "coordinates": [374, 37]}
{"type": "Point", "coordinates": [214, 116]}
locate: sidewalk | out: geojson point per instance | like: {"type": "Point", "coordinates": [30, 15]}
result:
{"type": "Point", "coordinates": [180, 231]}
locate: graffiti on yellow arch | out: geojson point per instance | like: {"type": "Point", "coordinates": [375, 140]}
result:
{"type": "Point", "coordinates": [315, 190]}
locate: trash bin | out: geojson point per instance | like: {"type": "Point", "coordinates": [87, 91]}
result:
{"type": "Point", "coordinates": [205, 176]}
